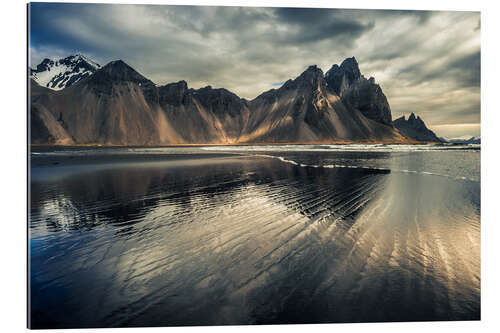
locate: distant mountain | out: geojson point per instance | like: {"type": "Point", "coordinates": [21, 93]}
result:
{"type": "Point", "coordinates": [472, 140]}
{"type": "Point", "coordinates": [62, 73]}
{"type": "Point", "coordinates": [118, 105]}
{"type": "Point", "coordinates": [415, 128]}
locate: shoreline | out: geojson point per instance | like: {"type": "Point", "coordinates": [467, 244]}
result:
{"type": "Point", "coordinates": [98, 145]}
{"type": "Point", "coordinates": [66, 160]}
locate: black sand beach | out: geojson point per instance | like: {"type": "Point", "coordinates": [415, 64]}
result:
{"type": "Point", "coordinates": [197, 237]}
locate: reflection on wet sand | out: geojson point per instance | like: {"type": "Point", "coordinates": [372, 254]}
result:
{"type": "Point", "coordinates": [251, 240]}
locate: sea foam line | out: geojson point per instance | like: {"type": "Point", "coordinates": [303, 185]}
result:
{"type": "Point", "coordinates": [333, 166]}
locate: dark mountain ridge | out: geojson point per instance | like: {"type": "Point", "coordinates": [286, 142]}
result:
{"type": "Point", "coordinates": [415, 128]}
{"type": "Point", "coordinates": [118, 105]}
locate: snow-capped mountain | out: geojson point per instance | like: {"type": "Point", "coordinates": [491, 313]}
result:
{"type": "Point", "coordinates": [465, 140]}
{"type": "Point", "coordinates": [62, 73]}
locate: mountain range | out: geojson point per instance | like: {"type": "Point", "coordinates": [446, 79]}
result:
{"type": "Point", "coordinates": [75, 101]}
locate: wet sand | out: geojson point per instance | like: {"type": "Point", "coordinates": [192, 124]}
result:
{"type": "Point", "coordinates": [228, 239]}
{"type": "Point", "coordinates": [61, 159]}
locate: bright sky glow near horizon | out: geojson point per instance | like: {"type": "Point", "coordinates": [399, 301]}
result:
{"type": "Point", "coordinates": [426, 62]}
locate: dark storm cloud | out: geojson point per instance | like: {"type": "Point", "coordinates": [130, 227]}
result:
{"type": "Point", "coordinates": [42, 33]}
{"type": "Point", "coordinates": [422, 16]}
{"type": "Point", "coordinates": [317, 24]}
{"type": "Point", "coordinates": [207, 21]}
{"type": "Point", "coordinates": [426, 62]}
{"type": "Point", "coordinates": [464, 71]}
{"type": "Point", "coordinates": [305, 16]}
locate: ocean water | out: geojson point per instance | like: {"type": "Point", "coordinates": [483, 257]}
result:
{"type": "Point", "coordinates": [141, 236]}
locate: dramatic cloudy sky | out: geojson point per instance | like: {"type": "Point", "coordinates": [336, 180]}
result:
{"type": "Point", "coordinates": [425, 62]}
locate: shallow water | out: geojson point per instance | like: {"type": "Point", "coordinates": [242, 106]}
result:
{"type": "Point", "coordinates": [197, 238]}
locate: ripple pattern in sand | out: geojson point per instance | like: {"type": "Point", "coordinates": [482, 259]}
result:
{"type": "Point", "coordinates": [253, 240]}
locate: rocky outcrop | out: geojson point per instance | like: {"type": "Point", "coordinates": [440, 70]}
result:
{"type": "Point", "coordinates": [358, 92]}
{"type": "Point", "coordinates": [340, 78]}
{"type": "Point", "coordinates": [415, 128]}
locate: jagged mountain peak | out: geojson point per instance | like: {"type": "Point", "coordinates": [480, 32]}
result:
{"type": "Point", "coordinates": [311, 78]}
{"type": "Point", "coordinates": [415, 128]}
{"type": "Point", "coordinates": [312, 74]}
{"type": "Point", "coordinates": [354, 89]}
{"type": "Point", "coordinates": [351, 67]}
{"type": "Point", "coordinates": [340, 78]}
{"type": "Point", "coordinates": [210, 93]}
{"type": "Point", "coordinates": [314, 69]}
{"type": "Point", "coordinates": [220, 100]}
{"type": "Point", "coordinates": [118, 71]}
{"type": "Point", "coordinates": [64, 72]}
{"type": "Point", "coordinates": [218, 91]}
{"type": "Point", "coordinates": [177, 85]}
{"type": "Point", "coordinates": [80, 59]}
{"type": "Point", "coordinates": [117, 77]}
{"type": "Point", "coordinates": [416, 121]}
{"type": "Point", "coordinates": [411, 118]}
